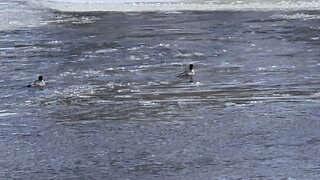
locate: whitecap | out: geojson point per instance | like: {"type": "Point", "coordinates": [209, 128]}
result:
{"type": "Point", "coordinates": [302, 16]}
{"type": "Point", "coordinates": [54, 42]}
{"type": "Point", "coordinates": [163, 45]}
{"type": "Point", "coordinates": [195, 55]}
{"type": "Point", "coordinates": [147, 103]}
{"type": "Point", "coordinates": [7, 114]}
{"type": "Point", "coordinates": [123, 96]}
{"type": "Point", "coordinates": [317, 95]}
{"type": "Point", "coordinates": [102, 51]}
{"type": "Point", "coordinates": [134, 58]}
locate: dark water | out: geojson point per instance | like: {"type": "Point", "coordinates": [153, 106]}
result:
{"type": "Point", "coordinates": [113, 107]}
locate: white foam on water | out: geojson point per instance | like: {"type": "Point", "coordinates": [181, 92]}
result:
{"type": "Point", "coordinates": [29, 13]}
{"type": "Point", "coordinates": [116, 2]}
{"type": "Point", "coordinates": [302, 16]}
{"type": "Point", "coordinates": [19, 14]}
{"type": "Point", "coordinates": [177, 5]}
{"type": "Point", "coordinates": [6, 114]}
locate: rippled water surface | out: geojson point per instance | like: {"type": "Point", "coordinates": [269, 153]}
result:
{"type": "Point", "coordinates": [114, 108]}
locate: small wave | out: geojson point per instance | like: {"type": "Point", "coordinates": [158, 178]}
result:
{"type": "Point", "coordinates": [69, 95]}
{"type": "Point", "coordinates": [103, 51]}
{"type": "Point", "coordinates": [275, 68]}
{"type": "Point", "coordinates": [84, 74]}
{"type": "Point", "coordinates": [162, 45]}
{"type": "Point", "coordinates": [55, 42]}
{"type": "Point", "coordinates": [148, 103]}
{"type": "Point", "coordinates": [317, 95]}
{"type": "Point", "coordinates": [315, 38]}
{"type": "Point", "coordinates": [6, 114]}
{"type": "Point", "coordinates": [238, 105]}
{"type": "Point", "coordinates": [191, 55]}
{"type": "Point", "coordinates": [302, 16]}
{"type": "Point", "coordinates": [122, 96]}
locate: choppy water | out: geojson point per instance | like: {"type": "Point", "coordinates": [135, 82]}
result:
{"type": "Point", "coordinates": [113, 107]}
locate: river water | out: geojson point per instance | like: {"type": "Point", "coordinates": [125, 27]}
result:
{"type": "Point", "coordinates": [114, 108]}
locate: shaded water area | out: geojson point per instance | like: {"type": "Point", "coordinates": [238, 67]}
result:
{"type": "Point", "coordinates": [114, 108]}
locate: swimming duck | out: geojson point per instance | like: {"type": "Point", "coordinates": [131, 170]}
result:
{"type": "Point", "coordinates": [189, 72]}
{"type": "Point", "coordinates": [38, 83]}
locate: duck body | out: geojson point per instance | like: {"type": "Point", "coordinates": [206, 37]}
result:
{"type": "Point", "coordinates": [38, 83]}
{"type": "Point", "coordinates": [188, 72]}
